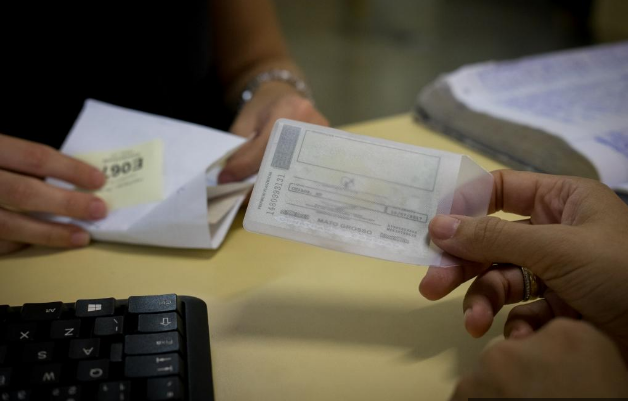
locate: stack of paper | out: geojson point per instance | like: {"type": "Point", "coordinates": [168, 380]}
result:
{"type": "Point", "coordinates": [562, 113]}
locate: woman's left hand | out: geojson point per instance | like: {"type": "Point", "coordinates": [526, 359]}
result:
{"type": "Point", "coordinates": [273, 100]}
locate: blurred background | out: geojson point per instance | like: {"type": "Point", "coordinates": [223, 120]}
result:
{"type": "Point", "coordinates": [369, 58]}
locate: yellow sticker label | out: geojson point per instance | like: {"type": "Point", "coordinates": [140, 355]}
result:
{"type": "Point", "coordinates": [134, 174]}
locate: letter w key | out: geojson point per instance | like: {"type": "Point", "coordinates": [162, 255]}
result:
{"type": "Point", "coordinates": [46, 311]}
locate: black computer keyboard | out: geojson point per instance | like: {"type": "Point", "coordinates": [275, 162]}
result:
{"type": "Point", "coordinates": [143, 348]}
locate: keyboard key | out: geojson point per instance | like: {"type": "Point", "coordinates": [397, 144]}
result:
{"type": "Point", "coordinates": [65, 329]}
{"type": "Point", "coordinates": [69, 393]}
{"type": "Point", "coordinates": [164, 388]}
{"type": "Point", "coordinates": [153, 303]}
{"type": "Point", "coordinates": [141, 344]}
{"type": "Point", "coordinates": [116, 353]}
{"type": "Point", "coordinates": [18, 395]}
{"type": "Point", "coordinates": [47, 311]}
{"type": "Point", "coordinates": [21, 331]}
{"type": "Point", "coordinates": [152, 365]}
{"type": "Point", "coordinates": [84, 348]}
{"type": "Point", "coordinates": [158, 322]}
{"type": "Point", "coordinates": [108, 326]}
{"type": "Point", "coordinates": [83, 352]}
{"type": "Point", "coordinates": [93, 370]}
{"type": "Point", "coordinates": [5, 377]}
{"type": "Point", "coordinates": [46, 374]}
{"type": "Point", "coordinates": [114, 391]}
{"type": "Point", "coordinates": [95, 307]}
{"type": "Point", "coordinates": [38, 352]}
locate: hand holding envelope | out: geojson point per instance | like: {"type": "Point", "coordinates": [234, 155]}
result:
{"type": "Point", "coordinates": [22, 162]}
{"type": "Point", "coordinates": [157, 169]}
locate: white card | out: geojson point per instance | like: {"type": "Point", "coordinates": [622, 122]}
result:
{"type": "Point", "coordinates": [359, 194]}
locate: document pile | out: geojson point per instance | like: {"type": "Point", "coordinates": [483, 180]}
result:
{"type": "Point", "coordinates": [561, 113]}
{"type": "Point", "coordinates": [361, 195]}
{"type": "Point", "coordinates": [161, 177]}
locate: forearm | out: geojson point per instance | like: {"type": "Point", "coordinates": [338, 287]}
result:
{"type": "Point", "coordinates": [247, 41]}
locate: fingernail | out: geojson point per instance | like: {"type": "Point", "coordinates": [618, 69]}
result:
{"type": "Point", "coordinates": [97, 209]}
{"type": "Point", "coordinates": [225, 178]}
{"type": "Point", "coordinates": [443, 226]}
{"type": "Point", "coordinates": [518, 332]}
{"type": "Point", "coordinates": [467, 313]}
{"type": "Point", "coordinates": [467, 318]}
{"type": "Point", "coordinates": [98, 178]}
{"type": "Point", "coordinates": [80, 238]}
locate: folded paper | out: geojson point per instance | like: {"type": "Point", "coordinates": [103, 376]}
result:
{"type": "Point", "coordinates": [157, 176]}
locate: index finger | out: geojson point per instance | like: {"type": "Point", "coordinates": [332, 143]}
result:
{"type": "Point", "coordinates": [43, 161]}
{"type": "Point", "coordinates": [525, 193]}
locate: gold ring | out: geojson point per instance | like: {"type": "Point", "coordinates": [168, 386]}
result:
{"type": "Point", "coordinates": [532, 286]}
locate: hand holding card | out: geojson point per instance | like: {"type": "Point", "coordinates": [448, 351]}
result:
{"type": "Point", "coordinates": [359, 194]}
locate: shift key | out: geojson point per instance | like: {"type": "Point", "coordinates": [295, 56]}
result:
{"type": "Point", "coordinates": [158, 343]}
{"type": "Point", "coordinates": [152, 365]}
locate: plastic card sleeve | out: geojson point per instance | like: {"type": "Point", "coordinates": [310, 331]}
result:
{"type": "Point", "coordinates": [359, 194]}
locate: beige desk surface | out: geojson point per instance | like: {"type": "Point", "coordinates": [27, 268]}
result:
{"type": "Point", "coordinates": [288, 321]}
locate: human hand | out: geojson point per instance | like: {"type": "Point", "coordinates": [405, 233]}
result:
{"type": "Point", "coordinates": [20, 162]}
{"type": "Point", "coordinates": [273, 100]}
{"type": "Point", "coordinates": [566, 359]}
{"type": "Point", "coordinates": [575, 241]}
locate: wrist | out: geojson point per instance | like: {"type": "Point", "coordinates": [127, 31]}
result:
{"type": "Point", "coordinates": [279, 78]}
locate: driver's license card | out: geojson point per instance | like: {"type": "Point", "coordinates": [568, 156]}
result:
{"type": "Point", "coordinates": [352, 193]}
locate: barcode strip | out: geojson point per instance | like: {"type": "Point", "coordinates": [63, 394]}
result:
{"type": "Point", "coordinates": [285, 147]}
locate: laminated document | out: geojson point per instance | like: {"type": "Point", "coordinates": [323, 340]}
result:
{"type": "Point", "coordinates": [161, 173]}
{"type": "Point", "coordinates": [359, 194]}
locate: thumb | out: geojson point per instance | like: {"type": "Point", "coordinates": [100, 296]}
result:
{"type": "Point", "coordinates": [493, 240]}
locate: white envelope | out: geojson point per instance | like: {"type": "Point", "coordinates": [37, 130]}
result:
{"type": "Point", "coordinates": [180, 219]}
